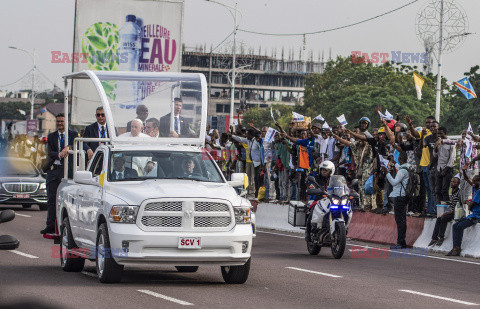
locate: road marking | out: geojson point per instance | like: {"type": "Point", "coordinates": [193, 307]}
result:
{"type": "Point", "coordinates": [22, 215]}
{"type": "Point", "coordinates": [90, 274]}
{"type": "Point", "coordinates": [382, 249]}
{"type": "Point", "coordinates": [178, 301]}
{"type": "Point", "coordinates": [440, 297]}
{"type": "Point", "coordinates": [314, 272]}
{"type": "Point", "coordinates": [23, 254]}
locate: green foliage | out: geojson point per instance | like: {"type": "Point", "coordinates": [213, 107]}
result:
{"type": "Point", "coordinates": [356, 89]}
{"type": "Point", "coordinates": [9, 110]}
{"type": "Point", "coordinates": [261, 116]}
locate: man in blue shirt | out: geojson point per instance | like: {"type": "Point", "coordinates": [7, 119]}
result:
{"type": "Point", "coordinates": [457, 229]}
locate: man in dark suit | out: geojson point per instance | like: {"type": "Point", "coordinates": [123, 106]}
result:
{"type": "Point", "coordinates": [142, 114]}
{"type": "Point", "coordinates": [95, 130]}
{"type": "Point", "coordinates": [180, 127]}
{"type": "Point", "coordinates": [120, 171]}
{"type": "Point", "coordinates": [57, 152]}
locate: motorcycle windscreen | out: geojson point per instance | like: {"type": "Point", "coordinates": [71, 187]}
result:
{"type": "Point", "coordinates": [337, 186]}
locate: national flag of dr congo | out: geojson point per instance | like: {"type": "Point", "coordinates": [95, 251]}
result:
{"type": "Point", "coordinates": [466, 88]}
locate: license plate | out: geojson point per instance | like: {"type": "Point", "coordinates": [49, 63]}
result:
{"type": "Point", "coordinates": [21, 196]}
{"type": "Point", "coordinates": [189, 243]}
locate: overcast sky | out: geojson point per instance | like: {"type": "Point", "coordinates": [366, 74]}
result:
{"type": "Point", "coordinates": [47, 25]}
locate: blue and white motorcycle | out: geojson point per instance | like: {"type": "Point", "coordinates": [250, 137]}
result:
{"type": "Point", "coordinates": [332, 213]}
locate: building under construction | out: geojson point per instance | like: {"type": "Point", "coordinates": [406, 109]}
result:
{"type": "Point", "coordinates": [260, 80]}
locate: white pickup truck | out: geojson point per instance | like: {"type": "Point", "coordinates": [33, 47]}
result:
{"type": "Point", "coordinates": [152, 200]}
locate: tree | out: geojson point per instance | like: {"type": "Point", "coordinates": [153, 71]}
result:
{"type": "Point", "coordinates": [10, 110]}
{"type": "Point", "coordinates": [356, 89]}
{"type": "Point", "coordinates": [261, 116]}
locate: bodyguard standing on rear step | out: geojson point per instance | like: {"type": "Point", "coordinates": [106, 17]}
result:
{"type": "Point", "coordinates": [57, 151]}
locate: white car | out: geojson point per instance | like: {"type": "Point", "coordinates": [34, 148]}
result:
{"type": "Point", "coordinates": [155, 203]}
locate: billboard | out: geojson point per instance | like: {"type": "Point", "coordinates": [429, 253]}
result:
{"type": "Point", "coordinates": [124, 35]}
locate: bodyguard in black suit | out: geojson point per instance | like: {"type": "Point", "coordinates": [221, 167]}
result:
{"type": "Point", "coordinates": [180, 127]}
{"type": "Point", "coordinates": [57, 152]}
{"type": "Point", "coordinates": [120, 171]}
{"type": "Point", "coordinates": [95, 130]}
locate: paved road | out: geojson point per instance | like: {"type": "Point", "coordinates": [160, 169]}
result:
{"type": "Point", "coordinates": [283, 275]}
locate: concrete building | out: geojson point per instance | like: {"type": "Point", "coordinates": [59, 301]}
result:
{"type": "Point", "coordinates": [261, 82]}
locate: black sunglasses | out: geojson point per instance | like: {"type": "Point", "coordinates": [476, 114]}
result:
{"type": "Point", "coordinates": [100, 115]}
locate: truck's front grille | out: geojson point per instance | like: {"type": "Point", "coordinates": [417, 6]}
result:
{"type": "Point", "coordinates": [20, 187]}
{"type": "Point", "coordinates": [187, 215]}
{"type": "Point", "coordinates": [164, 206]}
{"type": "Point", "coordinates": [212, 221]}
{"type": "Point", "coordinates": [162, 221]}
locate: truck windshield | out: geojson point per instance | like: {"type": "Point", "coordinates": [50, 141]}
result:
{"type": "Point", "coordinates": [143, 165]}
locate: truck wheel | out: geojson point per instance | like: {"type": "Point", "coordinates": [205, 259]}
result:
{"type": "Point", "coordinates": [43, 207]}
{"type": "Point", "coordinates": [187, 269]}
{"type": "Point", "coordinates": [70, 261]}
{"type": "Point", "coordinates": [236, 274]}
{"type": "Point", "coordinates": [108, 270]}
{"type": "Point", "coordinates": [26, 206]}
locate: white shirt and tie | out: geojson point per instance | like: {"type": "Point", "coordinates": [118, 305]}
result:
{"type": "Point", "coordinates": [61, 145]}
{"type": "Point", "coordinates": [176, 124]}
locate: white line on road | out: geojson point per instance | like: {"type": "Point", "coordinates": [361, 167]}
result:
{"type": "Point", "coordinates": [178, 301]}
{"type": "Point", "coordinates": [382, 249]}
{"type": "Point", "coordinates": [440, 297]}
{"type": "Point", "coordinates": [314, 272]}
{"type": "Point", "coordinates": [90, 274]}
{"type": "Point", "coordinates": [23, 254]}
{"type": "Point", "coordinates": [22, 215]}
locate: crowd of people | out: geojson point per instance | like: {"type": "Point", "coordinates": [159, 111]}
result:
{"type": "Point", "coordinates": [401, 168]}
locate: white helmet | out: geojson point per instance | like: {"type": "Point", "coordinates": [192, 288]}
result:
{"type": "Point", "coordinates": [328, 165]}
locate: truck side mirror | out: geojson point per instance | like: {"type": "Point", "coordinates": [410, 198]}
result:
{"type": "Point", "coordinates": [237, 180]}
{"type": "Point", "coordinates": [84, 177]}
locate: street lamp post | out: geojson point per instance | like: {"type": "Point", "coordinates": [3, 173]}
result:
{"type": "Point", "coordinates": [234, 52]}
{"type": "Point", "coordinates": [32, 99]}
{"type": "Point", "coordinates": [439, 75]}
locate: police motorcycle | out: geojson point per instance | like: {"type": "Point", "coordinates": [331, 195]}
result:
{"type": "Point", "coordinates": [332, 213]}
{"type": "Point", "coordinates": [7, 242]}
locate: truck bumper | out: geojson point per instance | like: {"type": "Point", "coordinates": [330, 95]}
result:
{"type": "Point", "coordinates": [217, 248]}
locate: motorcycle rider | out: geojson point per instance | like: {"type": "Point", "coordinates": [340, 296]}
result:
{"type": "Point", "coordinates": [326, 170]}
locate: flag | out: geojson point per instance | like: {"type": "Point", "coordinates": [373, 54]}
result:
{"type": "Point", "coordinates": [418, 84]}
{"type": "Point", "coordinates": [298, 117]}
{"type": "Point", "coordinates": [43, 110]}
{"type": "Point", "coordinates": [342, 119]}
{"type": "Point", "coordinates": [101, 179]}
{"type": "Point", "coordinates": [270, 135]}
{"type": "Point", "coordinates": [319, 117]}
{"type": "Point", "coordinates": [388, 116]}
{"type": "Point", "coordinates": [271, 114]}
{"type": "Point", "coordinates": [326, 126]}
{"type": "Point", "coordinates": [469, 142]}
{"type": "Point", "coordinates": [21, 112]}
{"type": "Point", "coordinates": [466, 88]}
{"type": "Point", "coordinates": [381, 115]}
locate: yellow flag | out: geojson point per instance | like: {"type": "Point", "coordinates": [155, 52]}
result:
{"type": "Point", "coordinates": [418, 84]}
{"type": "Point", "coordinates": [101, 179]}
{"type": "Point", "coordinates": [245, 181]}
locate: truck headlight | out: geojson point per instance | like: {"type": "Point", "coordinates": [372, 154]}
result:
{"type": "Point", "coordinates": [43, 186]}
{"type": "Point", "coordinates": [123, 214]}
{"type": "Point", "coordinates": [243, 215]}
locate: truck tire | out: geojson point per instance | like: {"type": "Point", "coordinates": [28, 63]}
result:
{"type": "Point", "coordinates": [70, 261]}
{"type": "Point", "coordinates": [108, 270]}
{"type": "Point", "coordinates": [43, 207]}
{"type": "Point", "coordinates": [187, 269]}
{"type": "Point", "coordinates": [236, 274]}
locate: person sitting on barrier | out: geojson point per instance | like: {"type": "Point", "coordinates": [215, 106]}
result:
{"type": "Point", "coordinates": [327, 169]}
{"type": "Point", "coordinates": [442, 221]}
{"type": "Point", "coordinates": [462, 224]}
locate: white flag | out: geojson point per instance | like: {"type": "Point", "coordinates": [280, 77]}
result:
{"type": "Point", "coordinates": [297, 117]}
{"type": "Point", "coordinates": [383, 162]}
{"type": "Point", "coordinates": [270, 135]}
{"type": "Point", "coordinates": [469, 142]}
{"type": "Point", "coordinates": [326, 126]}
{"type": "Point", "coordinates": [271, 114]}
{"type": "Point", "coordinates": [381, 115]}
{"type": "Point", "coordinates": [319, 117]}
{"type": "Point", "coordinates": [388, 116]}
{"type": "Point", "coordinates": [342, 119]}
{"type": "Point", "coordinates": [21, 112]}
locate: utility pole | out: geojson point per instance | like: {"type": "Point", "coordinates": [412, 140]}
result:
{"type": "Point", "coordinates": [439, 74]}
{"type": "Point", "coordinates": [234, 52]}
